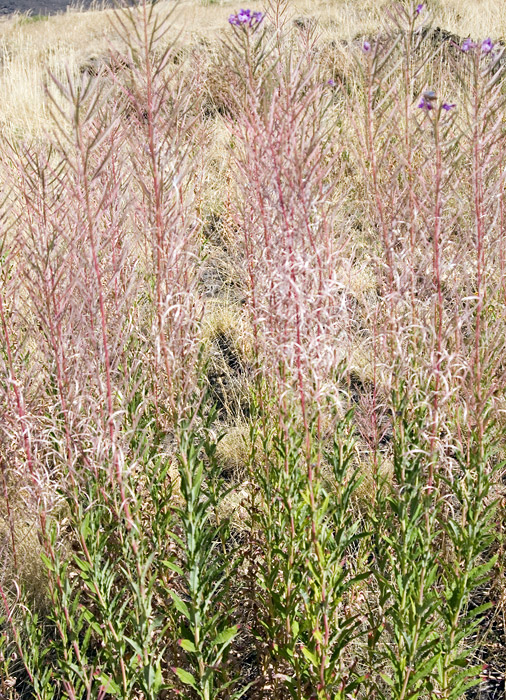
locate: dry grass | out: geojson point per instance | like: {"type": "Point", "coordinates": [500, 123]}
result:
{"type": "Point", "coordinates": [31, 50]}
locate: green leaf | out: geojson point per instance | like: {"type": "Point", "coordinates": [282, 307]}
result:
{"type": "Point", "coordinates": [109, 685]}
{"type": "Point", "coordinates": [92, 622]}
{"type": "Point", "coordinates": [355, 684]}
{"type": "Point", "coordinates": [48, 563]}
{"type": "Point", "coordinates": [82, 564]}
{"type": "Point", "coordinates": [318, 636]}
{"type": "Point", "coordinates": [479, 571]}
{"type": "Point", "coordinates": [226, 635]}
{"type": "Point", "coordinates": [310, 656]}
{"type": "Point", "coordinates": [425, 669]}
{"type": "Point", "coordinates": [387, 679]}
{"type": "Point", "coordinates": [153, 676]}
{"type": "Point", "coordinates": [478, 610]}
{"type": "Point", "coordinates": [187, 645]}
{"type": "Point", "coordinates": [237, 695]}
{"type": "Point", "coordinates": [461, 689]}
{"type": "Point", "coordinates": [286, 653]}
{"type": "Point", "coordinates": [185, 677]}
{"type": "Point", "coordinates": [172, 566]}
{"type": "Point", "coordinates": [180, 605]}
{"type": "Point", "coordinates": [136, 647]}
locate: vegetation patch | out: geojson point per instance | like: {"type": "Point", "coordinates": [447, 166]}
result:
{"type": "Point", "coordinates": [252, 378]}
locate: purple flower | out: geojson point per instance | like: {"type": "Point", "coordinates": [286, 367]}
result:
{"type": "Point", "coordinates": [366, 46]}
{"type": "Point", "coordinates": [487, 45]}
{"type": "Point", "coordinates": [447, 106]}
{"type": "Point", "coordinates": [467, 45]}
{"type": "Point", "coordinates": [419, 8]}
{"type": "Point", "coordinates": [428, 99]}
{"type": "Point", "coordinates": [331, 82]}
{"type": "Point", "coordinates": [246, 17]}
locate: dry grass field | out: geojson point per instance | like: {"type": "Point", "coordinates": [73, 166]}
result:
{"type": "Point", "coordinates": [30, 48]}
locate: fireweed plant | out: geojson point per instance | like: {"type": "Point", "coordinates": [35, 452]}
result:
{"type": "Point", "coordinates": [354, 551]}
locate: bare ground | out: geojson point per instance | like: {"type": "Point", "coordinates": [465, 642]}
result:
{"type": "Point", "coordinates": [43, 7]}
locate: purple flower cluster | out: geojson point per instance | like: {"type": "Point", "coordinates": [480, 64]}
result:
{"type": "Point", "coordinates": [425, 104]}
{"type": "Point", "coordinates": [419, 8]}
{"type": "Point", "coordinates": [486, 45]}
{"type": "Point", "coordinates": [428, 101]}
{"type": "Point", "coordinates": [246, 17]}
{"type": "Point", "coordinates": [468, 45]}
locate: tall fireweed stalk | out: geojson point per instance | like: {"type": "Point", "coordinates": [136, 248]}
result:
{"type": "Point", "coordinates": [435, 187]}
{"type": "Point", "coordinates": [209, 568]}
{"type": "Point", "coordinates": [101, 324]}
{"type": "Point", "coordinates": [307, 577]}
{"type": "Point", "coordinates": [344, 546]}
{"type": "Point", "coordinates": [286, 159]}
{"type": "Point", "coordinates": [284, 150]}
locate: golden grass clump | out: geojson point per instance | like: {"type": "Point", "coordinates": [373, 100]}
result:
{"type": "Point", "coordinates": [27, 570]}
{"type": "Point", "coordinates": [233, 452]}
